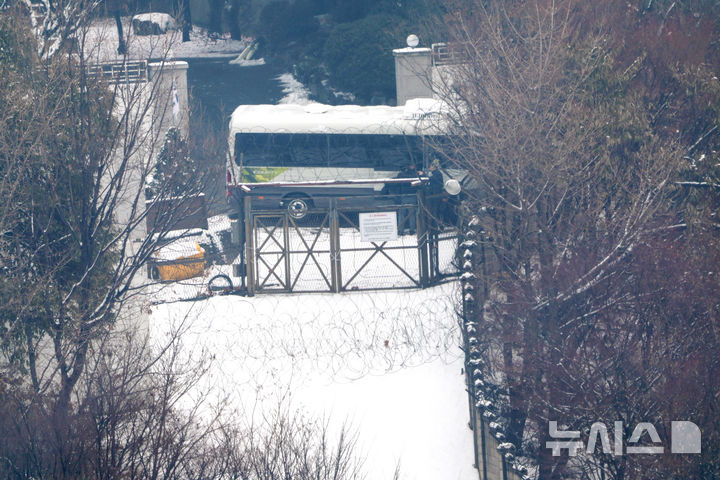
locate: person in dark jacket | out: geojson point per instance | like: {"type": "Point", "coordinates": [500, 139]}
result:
{"type": "Point", "coordinates": [434, 193]}
{"type": "Point", "coordinates": [406, 216]}
{"type": "Point", "coordinates": [409, 171]}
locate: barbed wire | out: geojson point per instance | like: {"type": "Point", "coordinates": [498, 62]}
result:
{"type": "Point", "coordinates": [275, 342]}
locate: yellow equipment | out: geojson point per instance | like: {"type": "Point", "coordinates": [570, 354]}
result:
{"type": "Point", "coordinates": [180, 268]}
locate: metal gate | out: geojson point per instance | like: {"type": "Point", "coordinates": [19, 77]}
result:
{"type": "Point", "coordinates": [324, 252]}
{"type": "Point", "coordinates": [281, 253]}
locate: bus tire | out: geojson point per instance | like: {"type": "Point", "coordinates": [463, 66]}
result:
{"type": "Point", "coordinates": [297, 205]}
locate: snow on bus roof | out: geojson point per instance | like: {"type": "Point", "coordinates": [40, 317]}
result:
{"type": "Point", "coordinates": [411, 119]}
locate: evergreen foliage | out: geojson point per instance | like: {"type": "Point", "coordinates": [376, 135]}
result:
{"type": "Point", "coordinates": [49, 168]}
{"type": "Point", "coordinates": [174, 171]}
{"type": "Point", "coordinates": [359, 55]}
{"type": "Point", "coordinates": [283, 22]}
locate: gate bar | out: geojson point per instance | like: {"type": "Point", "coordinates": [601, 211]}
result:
{"type": "Point", "coordinates": [335, 265]}
{"type": "Point", "coordinates": [249, 247]}
{"type": "Point", "coordinates": [364, 181]}
{"type": "Point", "coordinates": [422, 241]}
{"type": "Point", "coordinates": [286, 236]}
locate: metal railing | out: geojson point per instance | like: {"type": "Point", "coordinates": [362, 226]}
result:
{"type": "Point", "coordinates": [120, 72]}
{"type": "Point", "coordinates": [448, 54]}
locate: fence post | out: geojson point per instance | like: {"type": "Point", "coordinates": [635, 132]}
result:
{"type": "Point", "coordinates": [249, 246]}
{"type": "Point", "coordinates": [422, 240]}
{"type": "Point", "coordinates": [335, 265]}
{"type": "Point", "coordinates": [433, 252]}
{"type": "Point", "coordinates": [286, 239]}
{"type": "Point", "coordinates": [476, 421]}
{"type": "Point", "coordinates": [483, 448]}
{"type": "Point", "coordinates": [468, 281]}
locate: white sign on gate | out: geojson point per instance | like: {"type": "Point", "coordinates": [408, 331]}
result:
{"type": "Point", "coordinates": [378, 226]}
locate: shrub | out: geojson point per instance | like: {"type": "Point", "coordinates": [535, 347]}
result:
{"type": "Point", "coordinates": [359, 55]}
{"type": "Point", "coordinates": [284, 22]}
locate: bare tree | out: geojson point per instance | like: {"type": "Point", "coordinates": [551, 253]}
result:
{"type": "Point", "coordinates": [135, 417]}
{"type": "Point", "coordinates": [569, 182]}
{"type": "Point", "coordinates": [83, 392]}
{"type": "Point", "coordinates": [76, 153]}
{"type": "Point", "coordinates": [56, 21]}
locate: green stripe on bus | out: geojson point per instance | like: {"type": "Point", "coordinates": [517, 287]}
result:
{"type": "Point", "coordinates": [261, 174]}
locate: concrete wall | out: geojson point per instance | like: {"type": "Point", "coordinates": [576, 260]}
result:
{"type": "Point", "coordinates": [413, 73]}
{"type": "Point", "coordinates": [170, 110]}
{"type": "Point", "coordinates": [491, 464]}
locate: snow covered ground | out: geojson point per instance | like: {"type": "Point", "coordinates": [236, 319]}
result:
{"type": "Point", "coordinates": [295, 92]}
{"type": "Point", "coordinates": [101, 42]}
{"type": "Point", "coordinates": [385, 363]}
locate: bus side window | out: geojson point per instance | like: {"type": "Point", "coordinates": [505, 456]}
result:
{"type": "Point", "coordinates": [367, 143]}
{"type": "Point", "coordinates": [276, 150]}
{"type": "Point", "coordinates": [430, 147]}
{"type": "Point", "coordinates": [414, 149]}
{"type": "Point", "coordinates": [377, 148]}
{"type": "Point", "coordinates": [393, 152]}
{"type": "Point", "coordinates": [306, 150]}
{"type": "Point", "coordinates": [347, 151]}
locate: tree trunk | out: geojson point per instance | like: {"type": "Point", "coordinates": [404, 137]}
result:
{"type": "Point", "coordinates": [216, 7]}
{"type": "Point", "coordinates": [233, 20]}
{"type": "Point", "coordinates": [183, 12]}
{"type": "Point", "coordinates": [122, 47]}
{"type": "Point", "coordinates": [187, 22]}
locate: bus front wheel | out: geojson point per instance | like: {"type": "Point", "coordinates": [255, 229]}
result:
{"type": "Point", "coordinates": [298, 206]}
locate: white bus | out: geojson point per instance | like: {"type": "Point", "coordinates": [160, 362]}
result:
{"type": "Point", "coordinates": [289, 156]}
